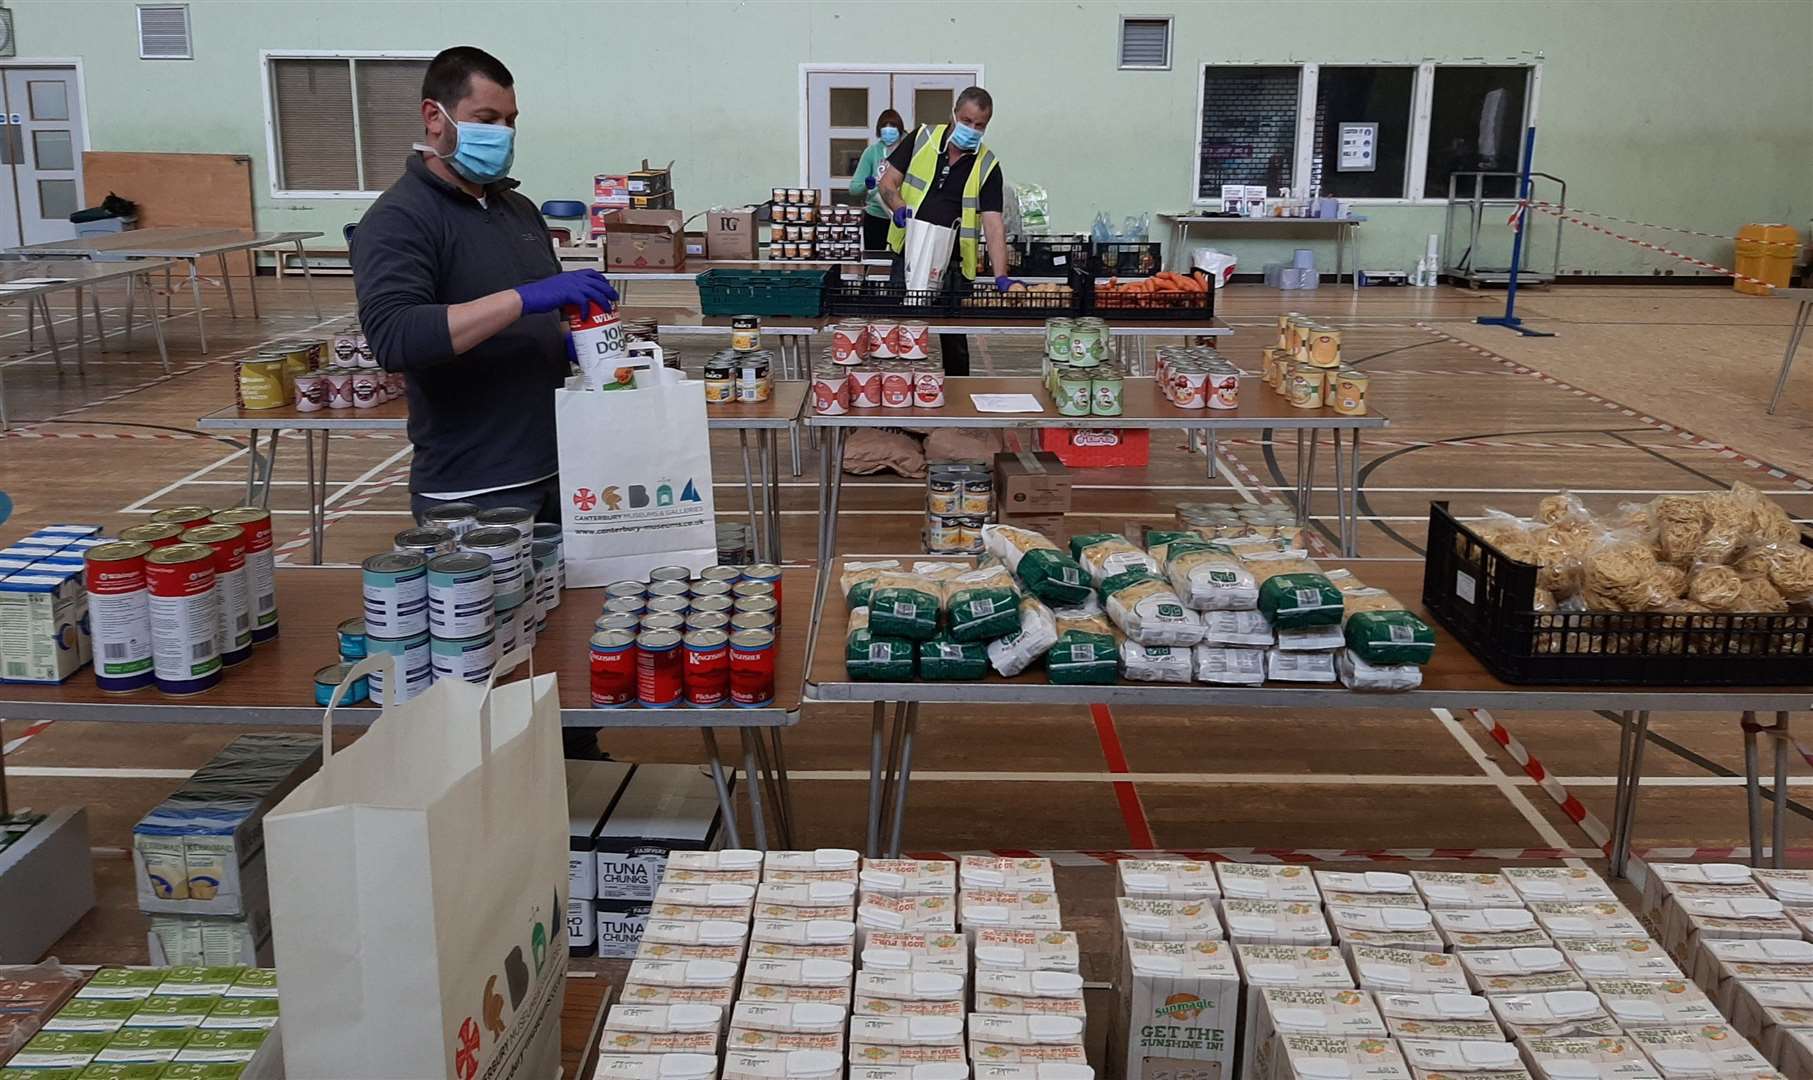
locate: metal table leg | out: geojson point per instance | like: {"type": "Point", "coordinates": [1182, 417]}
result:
{"type": "Point", "coordinates": [308, 278]}
{"type": "Point", "coordinates": [1753, 796]}
{"type": "Point", "coordinates": [755, 530]}
{"type": "Point", "coordinates": [1780, 857]}
{"type": "Point", "coordinates": [81, 335]}
{"type": "Point", "coordinates": [1621, 787]}
{"type": "Point", "coordinates": [1341, 495]}
{"type": "Point", "coordinates": [896, 732]}
{"type": "Point", "coordinates": [1353, 494]}
{"type": "Point", "coordinates": [157, 330]}
{"type": "Point", "coordinates": [226, 282]}
{"type": "Point", "coordinates": [132, 299]}
{"type": "Point", "coordinates": [50, 331]}
{"type": "Point", "coordinates": [100, 328]}
{"type": "Point", "coordinates": [772, 473]}
{"type": "Point", "coordinates": [758, 829]}
{"type": "Point", "coordinates": [763, 438]}
{"type": "Point", "coordinates": [252, 278]}
{"type": "Point", "coordinates": [1640, 737]}
{"type": "Point", "coordinates": [784, 785]}
{"type": "Point", "coordinates": [726, 804]}
{"type": "Point", "coordinates": [1341, 253]}
{"type": "Point", "coordinates": [782, 827]}
{"type": "Point", "coordinates": [270, 470]}
{"type": "Point", "coordinates": [251, 467]}
{"type": "Point", "coordinates": [201, 329]}
{"type": "Point", "coordinates": [904, 775]}
{"type": "Point", "coordinates": [1795, 333]}
{"type": "Point", "coordinates": [830, 491]}
{"type": "Point", "coordinates": [1309, 480]}
{"type": "Point", "coordinates": [878, 716]}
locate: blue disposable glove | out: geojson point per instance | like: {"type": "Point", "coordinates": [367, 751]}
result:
{"type": "Point", "coordinates": [576, 287]}
{"type": "Point", "coordinates": [572, 349]}
{"type": "Point", "coordinates": [1003, 283]}
{"type": "Point", "coordinates": [901, 214]}
{"type": "Point", "coordinates": [869, 182]}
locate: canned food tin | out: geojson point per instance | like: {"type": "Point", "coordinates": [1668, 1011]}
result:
{"type": "Point", "coordinates": [713, 602]}
{"type": "Point", "coordinates": [637, 589]}
{"type": "Point", "coordinates": [618, 620]}
{"type": "Point", "coordinates": [763, 573]}
{"type": "Point", "coordinates": [546, 554]}
{"type": "Point", "coordinates": [331, 676]}
{"type": "Point", "coordinates": [469, 659]}
{"type": "Point", "coordinates": [415, 667]}
{"type": "Point", "coordinates": [514, 516]}
{"type": "Point", "coordinates": [978, 496]}
{"type": "Point", "coordinates": [1106, 390]}
{"type": "Point", "coordinates": [721, 379]}
{"type": "Point", "coordinates": [1057, 338]}
{"type": "Point", "coordinates": [508, 628]}
{"type": "Point", "coordinates": [550, 531]}
{"type": "Point", "coordinates": [659, 669]}
{"type": "Point", "coordinates": [337, 387]}
{"type": "Point", "coordinates": [1224, 389]}
{"type": "Point", "coordinates": [160, 535]}
{"type": "Point", "coordinates": [1075, 393]}
{"type": "Point", "coordinates": [757, 605]}
{"type": "Point", "coordinates": [943, 495]}
{"type": "Point", "coordinates": [914, 341]}
{"type": "Point", "coordinates": [1350, 392]}
{"type": "Point", "coordinates": [669, 587]}
{"type": "Point", "coordinates": [352, 350]}
{"type": "Point", "coordinates": [396, 595]}
{"type": "Point", "coordinates": [528, 624]}
{"type": "Point", "coordinates": [830, 391]}
{"type": "Point", "coordinates": [461, 596]}
{"type": "Point", "coordinates": [969, 533]}
{"type": "Point", "coordinates": [928, 388]}
{"type": "Point", "coordinates": [261, 566]}
{"type": "Point", "coordinates": [943, 533]}
{"type": "Point", "coordinates": [670, 573]}
{"type": "Point", "coordinates": [1325, 347]}
{"type": "Point", "coordinates": [231, 585]}
{"type": "Point", "coordinates": [663, 620]}
{"type": "Point", "coordinates": [896, 389]}
{"type": "Point", "coordinates": [351, 634]}
{"type": "Point", "coordinates": [626, 605]}
{"type": "Point", "coordinates": [729, 575]}
{"type": "Point", "coordinates": [613, 668]}
{"type": "Point", "coordinates": [1284, 329]}
{"type": "Point", "coordinates": [752, 620]}
{"type": "Point", "coordinates": [185, 618]}
{"type": "Point", "coordinates": [752, 655]}
{"type": "Point", "coordinates": [745, 333]}
{"type": "Point", "coordinates": [365, 385]}
{"type": "Point", "coordinates": [1189, 387]}
{"type": "Point", "coordinates": [777, 195]}
{"type": "Point", "coordinates": [1306, 387]}
{"type": "Point", "coordinates": [456, 517]}
{"type": "Point", "coordinates": [884, 339]}
{"type": "Point", "coordinates": [849, 342]}
{"type": "Point", "coordinates": [706, 671]}
{"type": "Point", "coordinates": [119, 615]}
{"type": "Point", "coordinates": [707, 620]}
{"type": "Point", "coordinates": [865, 387]}
{"type": "Point", "coordinates": [186, 517]}
{"type": "Point", "coordinates": [668, 605]}
{"type": "Point", "coordinates": [503, 545]}
{"type": "Point", "coordinates": [426, 541]}
{"type": "Point", "coordinates": [262, 383]}
{"type": "Point", "coordinates": [755, 378]}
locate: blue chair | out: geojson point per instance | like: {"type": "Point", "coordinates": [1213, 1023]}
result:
{"type": "Point", "coordinates": [571, 213]}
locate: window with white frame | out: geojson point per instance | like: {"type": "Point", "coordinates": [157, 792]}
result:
{"type": "Point", "coordinates": [1360, 131]}
{"type": "Point", "coordinates": [342, 123]}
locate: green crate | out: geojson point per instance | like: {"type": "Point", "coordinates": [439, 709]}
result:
{"type": "Point", "coordinates": [763, 292]}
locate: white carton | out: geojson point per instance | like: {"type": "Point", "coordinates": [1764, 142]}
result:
{"type": "Point", "coordinates": [1276, 922]}
{"type": "Point", "coordinates": [980, 909]}
{"type": "Point", "coordinates": [909, 877]}
{"type": "Point", "coordinates": [1705, 918]}
{"type": "Point", "coordinates": [1594, 919]}
{"type": "Point", "coordinates": [1703, 1050]}
{"type": "Point", "coordinates": [1029, 993]}
{"type": "Point", "coordinates": [656, 1067]}
{"type": "Point", "coordinates": [1262, 881]}
{"type": "Point", "coordinates": [648, 994]}
{"type": "Point", "coordinates": [1462, 1057]}
{"type": "Point", "coordinates": [1181, 1002]}
{"type": "Point", "coordinates": [1323, 1057]}
{"type": "Point", "coordinates": [1586, 1058]}
{"type": "Point", "coordinates": [723, 861]}
{"type": "Point", "coordinates": [804, 900]}
{"type": "Point", "coordinates": [1619, 958]}
{"type": "Point", "coordinates": [936, 1072]}
{"type": "Point", "coordinates": [1558, 884]}
{"type": "Point", "coordinates": [759, 1025]}
{"type": "Point", "coordinates": [1391, 927]}
{"type": "Point", "coordinates": [1797, 1052]}
{"type": "Point", "coordinates": [1027, 950]}
{"type": "Point", "coordinates": [1374, 882]}
{"type": "Point", "coordinates": [673, 874]}
{"type": "Point", "coordinates": [1280, 1010]}
{"type": "Point", "coordinates": [906, 1031]}
{"type": "Point", "coordinates": [1026, 1039]}
{"type": "Point", "coordinates": [683, 932]}
{"type": "Point", "coordinates": [812, 939]}
{"type": "Point", "coordinates": [1443, 889]}
{"type": "Point", "coordinates": [894, 992]}
{"type": "Point", "coordinates": [1766, 1010]}
{"type": "Point", "coordinates": [1438, 1016]}
{"type": "Point", "coordinates": [662, 1029]}
{"type": "Point", "coordinates": [1529, 970]}
{"type": "Point", "coordinates": [818, 864]}
{"type": "Point", "coordinates": [909, 952]}
{"type": "Point", "coordinates": [924, 914]}
{"type": "Point", "coordinates": [661, 950]}
{"type": "Point", "coordinates": [1406, 970]}
{"type": "Point", "coordinates": [1695, 879]}
{"type": "Point", "coordinates": [782, 1065]}
{"type": "Point", "coordinates": [1168, 920]}
{"type": "Point", "coordinates": [1023, 1071]}
{"type": "Point", "coordinates": [816, 974]}
{"type": "Point", "coordinates": [1349, 898]}
{"type": "Point", "coordinates": [1489, 928]}
{"type": "Point", "coordinates": [682, 973]}
{"type": "Point", "coordinates": [1655, 1002]}
{"type": "Point", "coordinates": [1293, 965]}
{"type": "Point", "coordinates": [1792, 887]}
{"type": "Point", "coordinates": [1168, 879]}
{"type": "Point", "coordinates": [1719, 964]}
{"type": "Point", "coordinates": [731, 896]}
{"type": "Point", "coordinates": [1556, 1012]}
{"type": "Point", "coordinates": [989, 873]}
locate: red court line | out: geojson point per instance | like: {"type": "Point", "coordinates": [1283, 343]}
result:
{"type": "Point", "coordinates": [1139, 831]}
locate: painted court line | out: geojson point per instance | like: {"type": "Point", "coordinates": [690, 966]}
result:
{"type": "Point", "coordinates": [1133, 812]}
{"type": "Point", "coordinates": [1549, 834]}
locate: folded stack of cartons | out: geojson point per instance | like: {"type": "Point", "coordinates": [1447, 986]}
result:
{"type": "Point", "coordinates": [176, 1022]}
{"type": "Point", "coordinates": [792, 1016]}
{"type": "Point", "coordinates": [1028, 1010]}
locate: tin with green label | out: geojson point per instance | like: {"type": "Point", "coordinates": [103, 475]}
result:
{"type": "Point", "coordinates": [1057, 339]}
{"type": "Point", "coordinates": [1106, 392]}
{"type": "Point", "coordinates": [1075, 392]}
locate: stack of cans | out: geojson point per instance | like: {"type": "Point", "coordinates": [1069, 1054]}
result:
{"type": "Point", "coordinates": [959, 500]}
{"type": "Point", "coordinates": [1196, 377]}
{"type": "Point", "coordinates": [679, 640]}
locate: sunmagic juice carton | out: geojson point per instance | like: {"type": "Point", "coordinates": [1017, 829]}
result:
{"type": "Point", "coordinates": [1181, 1001]}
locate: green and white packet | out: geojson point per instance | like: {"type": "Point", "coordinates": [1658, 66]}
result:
{"type": "Point", "coordinates": [1390, 637]}
{"type": "Point", "coordinates": [1282, 665]}
{"type": "Point", "coordinates": [1294, 601]}
{"type": "Point", "coordinates": [1038, 632]}
{"type": "Point", "coordinates": [1106, 555]}
{"type": "Point", "coordinates": [904, 605]}
{"type": "Point", "coordinates": [944, 660]}
{"type": "Point", "coordinates": [1238, 629]}
{"type": "Point", "coordinates": [1357, 674]}
{"type": "Point", "coordinates": [869, 657]}
{"type": "Point", "coordinates": [1147, 610]}
{"type": "Point", "coordinates": [1230, 667]}
{"type": "Point", "coordinates": [1083, 659]}
{"type": "Point", "coordinates": [1157, 663]}
{"type": "Point", "coordinates": [981, 605]}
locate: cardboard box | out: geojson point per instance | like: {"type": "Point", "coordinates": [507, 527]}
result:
{"type": "Point", "coordinates": [663, 808]}
{"type": "Point", "coordinates": [1278, 1011]}
{"type": "Point", "coordinates": [1181, 1001]}
{"type": "Point", "coordinates": [1406, 971]}
{"type": "Point", "coordinates": [697, 247]}
{"type": "Point", "coordinates": [1623, 958]}
{"type": "Point", "coordinates": [46, 885]}
{"type": "Point", "coordinates": [619, 926]}
{"type": "Point", "coordinates": [641, 239]}
{"type": "Point", "coordinates": [664, 201]}
{"type": "Point", "coordinates": [1699, 1050]}
{"type": "Point", "coordinates": [1721, 964]}
{"type": "Point", "coordinates": [611, 189]}
{"type": "Point", "coordinates": [649, 180]}
{"type": "Point", "coordinates": [1459, 1017]}
{"type": "Point", "coordinates": [1441, 889]}
{"type": "Point", "coordinates": [1031, 482]}
{"type": "Point", "coordinates": [43, 625]}
{"type": "Point", "coordinates": [593, 788]}
{"type": "Point", "coordinates": [730, 233]}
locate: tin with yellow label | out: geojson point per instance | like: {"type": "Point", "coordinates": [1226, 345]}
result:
{"type": "Point", "coordinates": [1325, 347]}
{"type": "Point", "coordinates": [1349, 398]}
{"type": "Point", "coordinates": [261, 383]}
{"type": "Point", "coordinates": [1306, 387]}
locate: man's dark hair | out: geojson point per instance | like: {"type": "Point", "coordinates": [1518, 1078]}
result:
{"type": "Point", "coordinates": [450, 73]}
{"type": "Point", "coordinates": [978, 95]}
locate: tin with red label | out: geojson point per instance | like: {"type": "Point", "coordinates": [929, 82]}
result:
{"type": "Point", "coordinates": [758, 605]}
{"type": "Point", "coordinates": [614, 669]}
{"type": "Point", "coordinates": [752, 620]}
{"type": "Point", "coordinates": [914, 341]}
{"type": "Point", "coordinates": [896, 389]}
{"type": "Point", "coordinates": [337, 384]}
{"type": "Point", "coordinates": [849, 342]}
{"type": "Point", "coordinates": [752, 668]}
{"type": "Point", "coordinates": [767, 573]}
{"type": "Point", "coordinates": [830, 391]}
{"type": "Point", "coordinates": [1189, 388]}
{"type": "Point", "coordinates": [119, 615]}
{"type": "Point", "coordinates": [744, 590]}
{"type": "Point", "coordinates": [865, 387]}
{"type": "Point", "coordinates": [232, 585]}
{"type": "Point", "coordinates": [884, 339]}
{"type": "Point", "coordinates": [668, 605]}
{"type": "Point", "coordinates": [311, 392]}
{"type": "Point", "coordinates": [185, 618]}
{"type": "Point", "coordinates": [663, 620]}
{"type": "Point", "coordinates": [618, 620]}
{"type": "Point", "coordinates": [723, 602]}
{"type": "Point", "coordinates": [659, 669]}
{"type": "Point", "coordinates": [708, 620]}
{"type": "Point", "coordinates": [707, 668]}
{"type": "Point", "coordinates": [597, 333]}
{"type": "Point", "coordinates": [261, 566]}
{"type": "Point", "coordinates": [928, 388]}
{"type": "Point", "coordinates": [186, 516]}
{"type": "Point", "coordinates": [630, 605]}
{"type": "Point", "coordinates": [365, 389]}
{"type": "Point", "coordinates": [1223, 389]}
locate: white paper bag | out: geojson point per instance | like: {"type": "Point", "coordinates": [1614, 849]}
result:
{"type": "Point", "coordinates": [927, 254]}
{"type": "Point", "coordinates": [635, 480]}
{"type": "Point", "coordinates": [419, 889]}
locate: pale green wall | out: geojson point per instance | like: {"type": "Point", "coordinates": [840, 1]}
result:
{"type": "Point", "coordinates": [1688, 112]}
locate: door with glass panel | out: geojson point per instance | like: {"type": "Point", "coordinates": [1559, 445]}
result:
{"type": "Point", "coordinates": [41, 145]}
{"type": "Point", "coordinates": [841, 108]}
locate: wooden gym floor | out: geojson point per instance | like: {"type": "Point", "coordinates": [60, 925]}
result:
{"type": "Point", "coordinates": [1480, 416]}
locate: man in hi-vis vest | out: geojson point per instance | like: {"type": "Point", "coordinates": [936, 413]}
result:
{"type": "Point", "coordinates": [945, 176]}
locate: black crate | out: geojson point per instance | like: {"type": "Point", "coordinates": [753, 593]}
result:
{"type": "Point", "coordinates": [982, 300]}
{"type": "Point", "coordinates": [1176, 306]}
{"type": "Point", "coordinates": [1126, 258]}
{"type": "Point", "coordinates": [879, 296]}
{"type": "Point", "coordinates": [1485, 599]}
{"type": "Point", "coordinates": [1046, 256]}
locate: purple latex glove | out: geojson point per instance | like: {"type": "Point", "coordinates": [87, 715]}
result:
{"type": "Point", "coordinates": [869, 182]}
{"type": "Point", "coordinates": [901, 214]}
{"type": "Point", "coordinates": [1003, 283]}
{"type": "Point", "coordinates": [576, 287]}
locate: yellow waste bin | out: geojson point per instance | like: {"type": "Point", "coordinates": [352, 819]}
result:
{"type": "Point", "coordinates": [1765, 252]}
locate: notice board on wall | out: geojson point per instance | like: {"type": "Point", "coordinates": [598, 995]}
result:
{"type": "Point", "coordinates": [176, 191]}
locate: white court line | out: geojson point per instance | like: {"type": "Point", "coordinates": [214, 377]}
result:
{"type": "Point", "coordinates": [1226, 472]}
{"type": "Point", "coordinates": [367, 475]}
{"type": "Point", "coordinates": [1517, 799]}
{"type": "Point", "coordinates": [139, 507]}
{"type": "Point", "coordinates": [100, 774]}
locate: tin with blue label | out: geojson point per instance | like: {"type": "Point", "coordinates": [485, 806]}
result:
{"type": "Point", "coordinates": [333, 675]}
{"type": "Point", "coordinates": [470, 659]}
{"type": "Point", "coordinates": [415, 667]}
{"type": "Point", "coordinates": [396, 594]}
{"type": "Point", "coordinates": [352, 640]}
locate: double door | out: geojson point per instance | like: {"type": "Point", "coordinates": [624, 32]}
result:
{"type": "Point", "coordinates": [41, 144]}
{"type": "Point", "coordinates": [842, 106]}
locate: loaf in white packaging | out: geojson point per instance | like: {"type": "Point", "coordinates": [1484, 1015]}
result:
{"type": "Point", "coordinates": [1228, 666]}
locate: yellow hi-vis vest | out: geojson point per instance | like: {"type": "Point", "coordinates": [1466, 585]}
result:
{"type": "Point", "coordinates": [927, 145]}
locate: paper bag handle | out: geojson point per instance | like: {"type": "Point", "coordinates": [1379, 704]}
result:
{"type": "Point", "coordinates": [384, 662]}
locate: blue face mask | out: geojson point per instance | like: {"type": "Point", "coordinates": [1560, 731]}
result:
{"type": "Point", "coordinates": [964, 137]}
{"type": "Point", "coordinates": [890, 135]}
{"type": "Point", "coordinates": [482, 153]}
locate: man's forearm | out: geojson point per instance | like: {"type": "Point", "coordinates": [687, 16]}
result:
{"type": "Point", "coordinates": [994, 227]}
{"type": "Point", "coordinates": [477, 321]}
{"type": "Point", "coordinates": [890, 190]}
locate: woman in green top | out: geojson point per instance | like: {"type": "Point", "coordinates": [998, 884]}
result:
{"type": "Point", "coordinates": [888, 129]}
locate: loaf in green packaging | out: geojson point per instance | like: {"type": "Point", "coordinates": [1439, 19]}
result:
{"type": "Point", "coordinates": [1106, 555]}
{"type": "Point", "coordinates": [1389, 637]}
{"type": "Point", "coordinates": [858, 580]}
{"type": "Point", "coordinates": [869, 657]}
{"type": "Point", "coordinates": [981, 605]}
{"type": "Point", "coordinates": [1294, 601]}
{"type": "Point", "coordinates": [944, 659]}
{"type": "Point", "coordinates": [1047, 572]}
{"type": "Point", "coordinates": [904, 605]}
{"type": "Point", "coordinates": [1147, 610]}
{"type": "Point", "coordinates": [1083, 659]}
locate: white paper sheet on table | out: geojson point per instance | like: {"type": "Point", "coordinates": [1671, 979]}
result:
{"type": "Point", "coordinates": [1006, 403]}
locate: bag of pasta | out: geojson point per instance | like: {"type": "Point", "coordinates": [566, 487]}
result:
{"type": "Point", "coordinates": [1083, 658]}
{"type": "Point", "coordinates": [1230, 667]}
{"type": "Point", "coordinates": [1621, 573]}
{"type": "Point", "coordinates": [1787, 566]}
{"type": "Point", "coordinates": [942, 659]}
{"type": "Point", "coordinates": [1238, 629]}
{"type": "Point", "coordinates": [869, 657]}
{"type": "Point", "coordinates": [1357, 674]}
{"type": "Point", "coordinates": [1047, 573]}
{"type": "Point", "coordinates": [1157, 663]}
{"type": "Point", "coordinates": [981, 605]}
{"type": "Point", "coordinates": [1389, 638]}
{"type": "Point", "coordinates": [1084, 618]}
{"type": "Point", "coordinates": [1148, 610]}
{"type": "Point", "coordinates": [1296, 600]}
{"type": "Point", "coordinates": [904, 605]}
{"type": "Point", "coordinates": [1038, 632]}
{"type": "Point", "coordinates": [859, 578]}
{"type": "Point", "coordinates": [1208, 580]}
{"type": "Point", "coordinates": [1271, 564]}
{"type": "Point", "coordinates": [1106, 554]}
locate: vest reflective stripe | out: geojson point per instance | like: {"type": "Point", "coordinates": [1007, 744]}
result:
{"type": "Point", "coordinates": [927, 145]}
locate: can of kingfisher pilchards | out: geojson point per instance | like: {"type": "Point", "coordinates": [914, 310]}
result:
{"type": "Point", "coordinates": [703, 588]}
{"type": "Point", "coordinates": [669, 587]}
{"type": "Point", "coordinates": [752, 620]}
{"type": "Point", "coordinates": [119, 615]}
{"type": "Point", "coordinates": [469, 659]}
{"type": "Point", "coordinates": [156, 535]}
{"type": "Point", "coordinates": [185, 618]}
{"type": "Point", "coordinates": [461, 598]}
{"type": "Point", "coordinates": [503, 546]}
{"type": "Point", "coordinates": [261, 566]}
{"type": "Point", "coordinates": [618, 620]}
{"type": "Point", "coordinates": [415, 667]}
{"type": "Point", "coordinates": [659, 669]}
{"type": "Point", "coordinates": [667, 605]}
{"type": "Point", "coordinates": [351, 634]}
{"type": "Point", "coordinates": [231, 585]}
{"type": "Point", "coordinates": [625, 605]}
{"type": "Point", "coordinates": [723, 602]}
{"type": "Point", "coordinates": [728, 575]}
{"type": "Point", "coordinates": [752, 655]}
{"type": "Point", "coordinates": [456, 517]}
{"type": "Point", "coordinates": [669, 573]}
{"type": "Point", "coordinates": [663, 620]}
{"type": "Point", "coordinates": [396, 595]}
{"type": "Point", "coordinates": [707, 620]}
{"type": "Point", "coordinates": [758, 605]}
{"type": "Point", "coordinates": [706, 668]}
{"type": "Point", "coordinates": [426, 541]}
{"type": "Point", "coordinates": [613, 668]}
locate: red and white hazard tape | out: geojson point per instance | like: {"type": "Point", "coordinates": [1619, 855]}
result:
{"type": "Point", "coordinates": [1540, 204]}
{"type": "Point", "coordinates": [378, 487]}
{"type": "Point", "coordinates": [1594, 829]}
{"type": "Point", "coordinates": [1296, 856]}
{"type": "Point", "coordinates": [1782, 733]}
{"type": "Point", "coordinates": [1516, 222]}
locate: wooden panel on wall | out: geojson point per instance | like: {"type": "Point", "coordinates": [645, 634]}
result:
{"type": "Point", "coordinates": [176, 190]}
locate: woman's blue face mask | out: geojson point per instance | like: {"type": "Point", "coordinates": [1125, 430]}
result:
{"type": "Point", "coordinates": [889, 135]}
{"type": "Point", "coordinates": [482, 153]}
